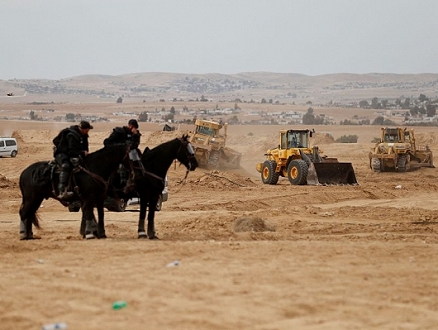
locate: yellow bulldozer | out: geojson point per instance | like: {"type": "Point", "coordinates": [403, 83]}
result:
{"type": "Point", "coordinates": [398, 151]}
{"type": "Point", "coordinates": [302, 164]}
{"type": "Point", "coordinates": [208, 141]}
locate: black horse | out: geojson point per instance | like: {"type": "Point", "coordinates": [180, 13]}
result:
{"type": "Point", "coordinates": [156, 162]}
{"type": "Point", "coordinates": [38, 182]}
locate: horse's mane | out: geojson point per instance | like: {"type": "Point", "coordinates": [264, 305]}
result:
{"type": "Point", "coordinates": [149, 154]}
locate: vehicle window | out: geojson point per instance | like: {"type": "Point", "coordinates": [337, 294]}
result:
{"type": "Point", "coordinates": [297, 140]}
{"type": "Point", "coordinates": [284, 141]}
{"type": "Point", "coordinates": [10, 143]}
{"type": "Point", "coordinates": [206, 130]}
{"type": "Point", "coordinates": [2, 143]}
{"type": "Point", "coordinates": [303, 140]}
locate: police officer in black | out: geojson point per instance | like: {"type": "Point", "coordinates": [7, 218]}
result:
{"type": "Point", "coordinates": [127, 134]}
{"type": "Point", "coordinates": [71, 143]}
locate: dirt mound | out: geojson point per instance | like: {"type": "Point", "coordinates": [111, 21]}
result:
{"type": "Point", "coordinates": [323, 138]}
{"type": "Point", "coordinates": [7, 183]}
{"type": "Point", "coordinates": [427, 139]}
{"type": "Point", "coordinates": [152, 139]}
{"type": "Point", "coordinates": [9, 192]}
{"type": "Point", "coordinates": [222, 180]}
{"type": "Point", "coordinates": [35, 136]}
{"type": "Point", "coordinates": [17, 136]}
{"type": "Point", "coordinates": [254, 224]}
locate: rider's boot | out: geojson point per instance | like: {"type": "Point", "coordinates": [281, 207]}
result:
{"type": "Point", "coordinates": [62, 187]}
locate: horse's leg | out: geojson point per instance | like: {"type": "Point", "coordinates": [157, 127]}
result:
{"type": "Point", "coordinates": [82, 230]}
{"type": "Point", "coordinates": [151, 217]}
{"type": "Point", "coordinates": [142, 217]}
{"type": "Point", "coordinates": [84, 223]}
{"type": "Point", "coordinates": [90, 221]}
{"type": "Point", "coordinates": [28, 216]}
{"type": "Point", "coordinates": [100, 223]}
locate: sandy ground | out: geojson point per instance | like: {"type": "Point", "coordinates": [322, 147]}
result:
{"type": "Point", "coordinates": [311, 257]}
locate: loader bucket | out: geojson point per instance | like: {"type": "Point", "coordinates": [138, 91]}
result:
{"type": "Point", "coordinates": [331, 173]}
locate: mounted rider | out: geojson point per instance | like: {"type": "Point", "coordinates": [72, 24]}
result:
{"type": "Point", "coordinates": [71, 145]}
{"type": "Point", "coordinates": [131, 135]}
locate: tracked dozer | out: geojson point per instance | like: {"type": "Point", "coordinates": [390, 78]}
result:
{"type": "Point", "coordinates": [208, 141]}
{"type": "Point", "coordinates": [302, 164]}
{"type": "Point", "coordinates": [398, 151]}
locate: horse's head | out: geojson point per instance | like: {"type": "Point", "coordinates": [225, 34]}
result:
{"type": "Point", "coordinates": [185, 154]}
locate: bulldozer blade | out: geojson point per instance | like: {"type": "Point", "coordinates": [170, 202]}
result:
{"type": "Point", "coordinates": [231, 158]}
{"type": "Point", "coordinates": [331, 173]}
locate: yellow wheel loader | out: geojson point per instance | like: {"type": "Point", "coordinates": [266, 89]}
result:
{"type": "Point", "coordinates": [208, 141]}
{"type": "Point", "coordinates": [397, 150]}
{"type": "Point", "coordinates": [302, 164]}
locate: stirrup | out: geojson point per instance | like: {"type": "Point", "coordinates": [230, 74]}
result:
{"type": "Point", "coordinates": [65, 195]}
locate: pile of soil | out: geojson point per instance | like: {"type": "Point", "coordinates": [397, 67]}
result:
{"type": "Point", "coordinates": [252, 224]}
{"type": "Point", "coordinates": [221, 180]}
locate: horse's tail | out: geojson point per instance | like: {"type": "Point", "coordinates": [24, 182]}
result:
{"type": "Point", "coordinates": [31, 217]}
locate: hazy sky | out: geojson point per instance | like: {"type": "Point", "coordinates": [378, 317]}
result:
{"type": "Point", "coordinates": [58, 39]}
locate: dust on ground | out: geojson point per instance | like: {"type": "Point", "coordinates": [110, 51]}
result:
{"type": "Point", "coordinates": [251, 256]}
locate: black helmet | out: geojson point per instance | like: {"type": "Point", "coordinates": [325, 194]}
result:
{"type": "Point", "coordinates": [133, 122]}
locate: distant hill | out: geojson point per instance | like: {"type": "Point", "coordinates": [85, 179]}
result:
{"type": "Point", "coordinates": [342, 88]}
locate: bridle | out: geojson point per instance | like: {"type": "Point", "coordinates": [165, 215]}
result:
{"type": "Point", "coordinates": [189, 152]}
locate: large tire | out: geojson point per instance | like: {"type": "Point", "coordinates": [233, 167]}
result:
{"type": "Point", "coordinates": [376, 165]}
{"type": "Point", "coordinates": [402, 163]}
{"type": "Point", "coordinates": [268, 174]}
{"type": "Point", "coordinates": [13, 153]}
{"type": "Point", "coordinates": [297, 171]}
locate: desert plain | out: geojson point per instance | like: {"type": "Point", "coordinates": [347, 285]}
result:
{"type": "Point", "coordinates": [311, 257]}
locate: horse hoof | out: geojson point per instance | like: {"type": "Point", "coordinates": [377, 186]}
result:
{"type": "Point", "coordinates": [24, 237]}
{"type": "Point", "coordinates": [89, 236]}
{"type": "Point", "coordinates": [101, 236]}
{"type": "Point", "coordinates": [142, 234]}
{"type": "Point", "coordinates": [154, 237]}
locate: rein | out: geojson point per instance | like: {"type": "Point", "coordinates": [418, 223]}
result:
{"type": "Point", "coordinates": [95, 177]}
{"type": "Point", "coordinates": [183, 181]}
{"type": "Point", "coordinates": [154, 176]}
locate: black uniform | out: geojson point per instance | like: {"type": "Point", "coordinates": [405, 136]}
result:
{"type": "Point", "coordinates": [73, 144]}
{"type": "Point", "coordinates": [123, 135]}
{"type": "Point", "coordinates": [70, 143]}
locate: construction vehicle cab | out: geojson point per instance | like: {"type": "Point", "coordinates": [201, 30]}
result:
{"type": "Point", "coordinates": [294, 139]}
{"type": "Point", "coordinates": [301, 163]}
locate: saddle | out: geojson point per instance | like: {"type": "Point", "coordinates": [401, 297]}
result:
{"type": "Point", "coordinates": [43, 175]}
{"type": "Point", "coordinates": [46, 174]}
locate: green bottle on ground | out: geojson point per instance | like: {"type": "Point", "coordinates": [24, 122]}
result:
{"type": "Point", "coordinates": [119, 304]}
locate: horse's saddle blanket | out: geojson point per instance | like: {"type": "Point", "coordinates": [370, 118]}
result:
{"type": "Point", "coordinates": [43, 175]}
